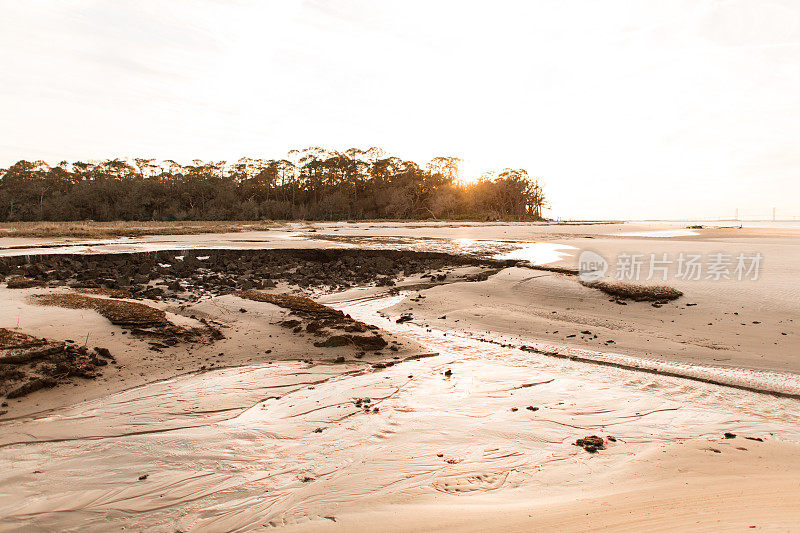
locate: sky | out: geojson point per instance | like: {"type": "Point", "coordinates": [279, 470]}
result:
{"type": "Point", "coordinates": [623, 110]}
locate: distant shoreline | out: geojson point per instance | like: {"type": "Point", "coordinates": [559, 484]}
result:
{"type": "Point", "coordinates": [126, 228]}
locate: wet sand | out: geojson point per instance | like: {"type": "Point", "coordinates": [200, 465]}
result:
{"type": "Point", "coordinates": [478, 437]}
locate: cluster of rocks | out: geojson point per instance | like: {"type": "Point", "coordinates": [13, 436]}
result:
{"type": "Point", "coordinates": [366, 404]}
{"type": "Point", "coordinates": [29, 363]}
{"type": "Point", "coordinates": [183, 274]}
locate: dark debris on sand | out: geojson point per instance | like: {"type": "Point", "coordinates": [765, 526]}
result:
{"type": "Point", "coordinates": [28, 363]}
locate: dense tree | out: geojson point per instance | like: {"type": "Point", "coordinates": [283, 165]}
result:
{"type": "Point", "coordinates": [314, 183]}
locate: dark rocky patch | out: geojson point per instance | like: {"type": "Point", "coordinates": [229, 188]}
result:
{"type": "Point", "coordinates": [183, 275]}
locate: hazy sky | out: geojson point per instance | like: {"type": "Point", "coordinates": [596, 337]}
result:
{"type": "Point", "coordinates": [642, 109]}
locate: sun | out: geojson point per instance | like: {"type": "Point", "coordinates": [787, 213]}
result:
{"type": "Point", "coordinates": [468, 172]}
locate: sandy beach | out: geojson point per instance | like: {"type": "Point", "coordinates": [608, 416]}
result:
{"type": "Point", "coordinates": [349, 266]}
{"type": "Point", "coordinates": [493, 361]}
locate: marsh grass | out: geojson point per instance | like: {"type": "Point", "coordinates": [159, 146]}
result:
{"type": "Point", "coordinates": [118, 312]}
{"type": "Point", "coordinates": [636, 292]}
{"type": "Point", "coordinates": [102, 291]}
{"type": "Point", "coordinates": [98, 230]}
{"type": "Point", "coordinates": [14, 339]}
{"type": "Point", "coordinates": [19, 282]}
{"type": "Point", "coordinates": [296, 304]}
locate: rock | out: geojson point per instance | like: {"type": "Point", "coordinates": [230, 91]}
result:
{"type": "Point", "coordinates": [103, 352]}
{"type": "Point", "coordinates": [591, 444]}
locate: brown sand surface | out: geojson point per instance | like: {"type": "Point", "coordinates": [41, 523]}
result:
{"type": "Point", "coordinates": [674, 487]}
{"type": "Point", "coordinates": [527, 305]}
{"type": "Point", "coordinates": [476, 438]}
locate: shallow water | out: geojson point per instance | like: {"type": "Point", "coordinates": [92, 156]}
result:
{"type": "Point", "coordinates": [236, 449]}
{"type": "Point", "coordinates": [151, 243]}
{"type": "Point", "coordinates": [538, 253]}
{"type": "Point", "coordinates": [264, 240]}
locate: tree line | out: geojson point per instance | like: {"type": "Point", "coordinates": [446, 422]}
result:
{"type": "Point", "coordinates": [311, 184]}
